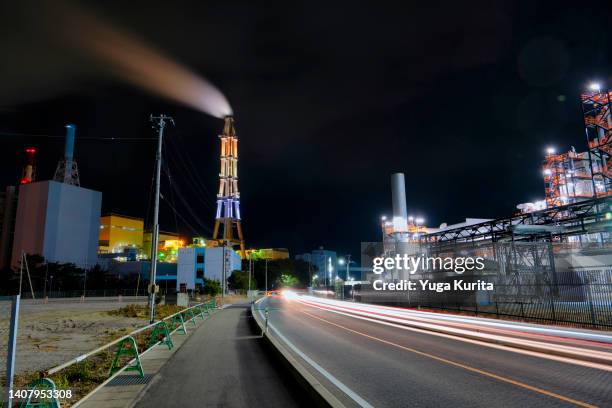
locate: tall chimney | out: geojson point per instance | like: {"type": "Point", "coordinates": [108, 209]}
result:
{"type": "Point", "coordinates": [29, 169]}
{"type": "Point", "coordinates": [67, 171]}
{"type": "Point", "coordinates": [69, 149]}
{"type": "Point", "coordinates": [398, 197]}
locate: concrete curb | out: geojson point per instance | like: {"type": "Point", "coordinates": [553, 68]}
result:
{"type": "Point", "coordinates": [317, 391]}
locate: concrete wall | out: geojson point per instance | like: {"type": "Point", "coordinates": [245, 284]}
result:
{"type": "Point", "coordinates": [58, 221]}
{"type": "Point", "coordinates": [185, 268]}
{"type": "Point", "coordinates": [213, 263]}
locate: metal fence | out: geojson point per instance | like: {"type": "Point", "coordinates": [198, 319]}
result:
{"type": "Point", "coordinates": [532, 281]}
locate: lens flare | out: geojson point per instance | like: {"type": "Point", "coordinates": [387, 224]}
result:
{"type": "Point", "coordinates": [137, 63]}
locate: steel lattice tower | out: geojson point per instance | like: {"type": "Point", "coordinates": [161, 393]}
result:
{"type": "Point", "coordinates": [228, 196]}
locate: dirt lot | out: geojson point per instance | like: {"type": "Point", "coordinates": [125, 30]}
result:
{"type": "Point", "coordinates": [53, 333]}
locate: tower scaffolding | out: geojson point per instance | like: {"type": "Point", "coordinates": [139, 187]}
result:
{"type": "Point", "coordinates": [228, 196]}
{"type": "Point", "coordinates": [598, 127]}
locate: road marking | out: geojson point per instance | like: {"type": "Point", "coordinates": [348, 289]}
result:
{"type": "Point", "coordinates": [456, 364]}
{"type": "Point", "coordinates": [350, 393]}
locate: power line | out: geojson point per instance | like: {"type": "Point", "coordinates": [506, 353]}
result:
{"type": "Point", "coordinates": [79, 138]}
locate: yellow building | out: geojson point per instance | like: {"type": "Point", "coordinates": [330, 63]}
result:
{"type": "Point", "coordinates": [271, 254]}
{"type": "Point", "coordinates": [118, 232]}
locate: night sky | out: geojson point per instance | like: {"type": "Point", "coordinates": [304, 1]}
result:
{"type": "Point", "coordinates": [329, 100]}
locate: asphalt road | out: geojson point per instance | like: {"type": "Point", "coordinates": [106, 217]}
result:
{"type": "Point", "coordinates": [223, 364]}
{"type": "Point", "coordinates": [394, 367]}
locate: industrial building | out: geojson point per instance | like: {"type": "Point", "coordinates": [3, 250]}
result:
{"type": "Point", "coordinates": [572, 176]}
{"type": "Point", "coordinates": [8, 208]}
{"type": "Point", "coordinates": [58, 219]}
{"type": "Point", "coordinates": [271, 254]}
{"type": "Point", "coordinates": [198, 262]}
{"type": "Point", "coordinates": [168, 245]}
{"type": "Point", "coordinates": [324, 262]}
{"type": "Point", "coordinates": [120, 232]}
{"type": "Point", "coordinates": [550, 262]}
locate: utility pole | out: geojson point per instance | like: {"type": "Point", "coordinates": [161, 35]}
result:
{"type": "Point", "coordinates": [46, 273]}
{"type": "Point", "coordinates": [223, 278]}
{"type": "Point", "coordinates": [159, 122]}
{"type": "Point", "coordinates": [250, 269]}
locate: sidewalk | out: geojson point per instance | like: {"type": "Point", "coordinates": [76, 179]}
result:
{"type": "Point", "coordinates": [221, 362]}
{"type": "Point", "coordinates": [122, 390]}
{"type": "Point", "coordinates": [224, 364]}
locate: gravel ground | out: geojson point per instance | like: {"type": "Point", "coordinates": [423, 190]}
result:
{"type": "Point", "coordinates": [54, 332]}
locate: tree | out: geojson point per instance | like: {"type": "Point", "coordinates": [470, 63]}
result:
{"type": "Point", "coordinates": [239, 280]}
{"type": "Point", "coordinates": [211, 287]}
{"type": "Point", "coordinates": [287, 280]}
{"type": "Point", "coordinates": [296, 268]}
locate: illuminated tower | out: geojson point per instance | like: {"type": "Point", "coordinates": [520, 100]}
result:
{"type": "Point", "coordinates": [228, 196]}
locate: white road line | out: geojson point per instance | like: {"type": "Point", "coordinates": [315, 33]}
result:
{"type": "Point", "coordinates": [350, 393]}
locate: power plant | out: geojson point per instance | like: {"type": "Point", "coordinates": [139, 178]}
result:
{"type": "Point", "coordinates": [573, 176]}
{"type": "Point", "coordinates": [57, 219]}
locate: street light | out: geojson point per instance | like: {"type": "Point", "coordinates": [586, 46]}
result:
{"type": "Point", "coordinates": [595, 86]}
{"type": "Point", "coordinates": [550, 150]}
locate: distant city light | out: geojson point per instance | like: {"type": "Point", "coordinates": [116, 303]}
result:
{"type": "Point", "coordinates": [595, 86]}
{"type": "Point", "coordinates": [420, 220]}
{"type": "Point", "coordinates": [410, 218]}
{"type": "Point", "coordinates": [384, 217]}
{"type": "Point", "coordinates": [341, 261]}
{"type": "Point", "coordinates": [550, 150]}
{"type": "Point", "coordinates": [547, 172]}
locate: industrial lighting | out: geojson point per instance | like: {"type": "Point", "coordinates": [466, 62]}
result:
{"type": "Point", "coordinates": [594, 86]}
{"type": "Point", "coordinates": [550, 150]}
{"type": "Point", "coordinates": [341, 261]}
{"type": "Point", "coordinates": [547, 172]}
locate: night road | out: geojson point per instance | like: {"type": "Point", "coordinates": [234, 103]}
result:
{"type": "Point", "coordinates": [383, 364]}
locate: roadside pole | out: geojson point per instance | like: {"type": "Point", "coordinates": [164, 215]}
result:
{"type": "Point", "coordinates": [249, 287]}
{"type": "Point", "coordinates": [12, 346]}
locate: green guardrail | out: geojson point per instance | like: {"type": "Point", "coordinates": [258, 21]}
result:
{"type": "Point", "coordinates": [127, 350]}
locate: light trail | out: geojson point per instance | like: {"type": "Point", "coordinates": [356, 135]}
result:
{"type": "Point", "coordinates": [460, 365]}
{"type": "Point", "coordinates": [567, 354]}
{"type": "Point", "coordinates": [604, 339]}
